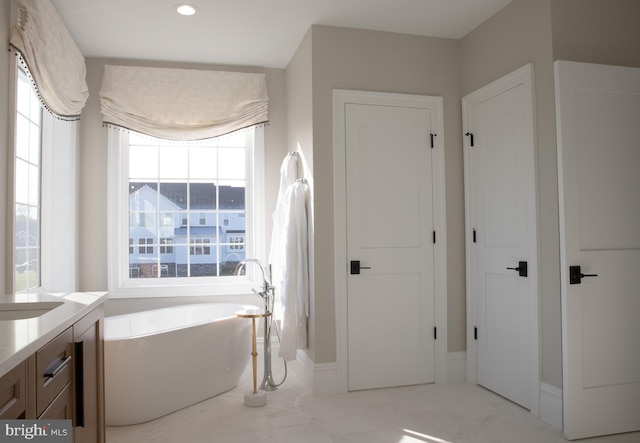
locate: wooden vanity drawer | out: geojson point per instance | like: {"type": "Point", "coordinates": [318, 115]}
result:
{"type": "Point", "coordinates": [13, 393]}
{"type": "Point", "coordinates": [62, 407]}
{"type": "Point", "coordinates": [54, 369]}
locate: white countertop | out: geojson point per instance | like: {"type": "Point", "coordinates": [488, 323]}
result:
{"type": "Point", "coordinates": [21, 338]}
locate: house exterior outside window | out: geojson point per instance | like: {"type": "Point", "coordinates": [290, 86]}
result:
{"type": "Point", "coordinates": [186, 213]}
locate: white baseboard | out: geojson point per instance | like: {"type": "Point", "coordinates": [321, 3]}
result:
{"type": "Point", "coordinates": [320, 378]}
{"type": "Point", "coordinates": [456, 367]}
{"type": "Point", "coordinates": [551, 405]}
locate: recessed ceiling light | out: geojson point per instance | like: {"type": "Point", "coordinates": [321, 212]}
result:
{"type": "Point", "coordinates": [185, 9]}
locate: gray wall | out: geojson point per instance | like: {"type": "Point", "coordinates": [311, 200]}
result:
{"type": "Point", "coordinates": [386, 62]}
{"type": "Point", "coordinates": [596, 31]}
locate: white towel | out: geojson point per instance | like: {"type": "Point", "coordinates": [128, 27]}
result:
{"type": "Point", "coordinates": [295, 288]}
{"type": "Point", "coordinates": [288, 176]}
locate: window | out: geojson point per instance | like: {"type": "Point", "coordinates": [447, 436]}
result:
{"type": "Point", "coordinates": [165, 246]}
{"type": "Point", "coordinates": [236, 242]}
{"type": "Point", "coordinates": [200, 246]}
{"type": "Point", "coordinates": [145, 249]}
{"type": "Point", "coordinates": [182, 202]}
{"type": "Point", "coordinates": [27, 185]}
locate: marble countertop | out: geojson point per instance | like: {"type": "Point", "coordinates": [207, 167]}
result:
{"type": "Point", "coordinates": [19, 338]}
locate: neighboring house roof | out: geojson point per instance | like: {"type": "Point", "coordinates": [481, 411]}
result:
{"type": "Point", "coordinates": [202, 195]}
{"type": "Point", "coordinates": [22, 237]}
{"type": "Point", "coordinates": [148, 192]}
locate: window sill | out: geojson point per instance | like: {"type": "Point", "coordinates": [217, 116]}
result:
{"type": "Point", "coordinates": [181, 290]}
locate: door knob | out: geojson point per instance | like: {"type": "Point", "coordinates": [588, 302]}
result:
{"type": "Point", "coordinates": [576, 275]}
{"type": "Point", "coordinates": [522, 269]}
{"type": "Point", "coordinates": [355, 267]}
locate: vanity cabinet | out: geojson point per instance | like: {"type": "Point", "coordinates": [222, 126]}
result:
{"type": "Point", "coordinates": [89, 378]}
{"type": "Point", "coordinates": [54, 373]}
{"type": "Point", "coordinates": [64, 379]}
{"type": "Point", "coordinates": [13, 393]}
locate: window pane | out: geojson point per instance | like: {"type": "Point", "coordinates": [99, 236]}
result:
{"type": "Point", "coordinates": [203, 163]}
{"type": "Point", "coordinates": [202, 196]}
{"type": "Point", "coordinates": [22, 137]}
{"type": "Point", "coordinates": [232, 197]}
{"type": "Point", "coordinates": [174, 162]}
{"type": "Point", "coordinates": [231, 164]}
{"type": "Point", "coordinates": [34, 187]}
{"type": "Point", "coordinates": [204, 270]}
{"type": "Point", "coordinates": [143, 196]}
{"type": "Point", "coordinates": [143, 162]}
{"type": "Point", "coordinates": [174, 196]}
{"type": "Point", "coordinates": [27, 272]}
{"type": "Point", "coordinates": [22, 181]}
{"type": "Point", "coordinates": [186, 210]}
{"type": "Point", "coordinates": [34, 144]}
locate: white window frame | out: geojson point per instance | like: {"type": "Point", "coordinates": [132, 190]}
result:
{"type": "Point", "coordinates": [122, 286]}
{"type": "Point", "coordinates": [58, 192]}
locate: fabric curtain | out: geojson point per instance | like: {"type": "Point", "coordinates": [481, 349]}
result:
{"type": "Point", "coordinates": [52, 58]}
{"type": "Point", "coordinates": [182, 104]}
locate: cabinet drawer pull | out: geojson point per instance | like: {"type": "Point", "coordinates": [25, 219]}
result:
{"type": "Point", "coordinates": [54, 370]}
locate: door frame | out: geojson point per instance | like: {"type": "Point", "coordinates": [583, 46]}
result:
{"type": "Point", "coordinates": [341, 98]}
{"type": "Point", "coordinates": [522, 76]}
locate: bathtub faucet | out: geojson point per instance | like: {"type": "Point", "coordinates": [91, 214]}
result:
{"type": "Point", "coordinates": [267, 289]}
{"type": "Point", "coordinates": [267, 295]}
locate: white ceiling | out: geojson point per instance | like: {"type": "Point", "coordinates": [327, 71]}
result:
{"type": "Point", "coordinates": [251, 32]}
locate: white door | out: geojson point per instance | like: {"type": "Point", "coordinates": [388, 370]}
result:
{"type": "Point", "coordinates": [390, 232]}
{"type": "Point", "coordinates": [502, 276]}
{"type": "Point", "coordinates": [598, 118]}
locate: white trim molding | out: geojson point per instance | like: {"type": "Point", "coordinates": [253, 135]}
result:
{"type": "Point", "coordinates": [551, 405]}
{"type": "Point", "coordinates": [340, 99]}
{"type": "Point", "coordinates": [321, 378]}
{"type": "Point", "coordinates": [456, 367]}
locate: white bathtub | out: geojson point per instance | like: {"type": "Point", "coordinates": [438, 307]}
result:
{"type": "Point", "coordinates": [160, 361]}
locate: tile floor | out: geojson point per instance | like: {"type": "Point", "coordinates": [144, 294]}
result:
{"type": "Point", "coordinates": [443, 413]}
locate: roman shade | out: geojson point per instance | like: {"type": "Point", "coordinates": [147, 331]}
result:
{"type": "Point", "coordinates": [182, 104]}
{"type": "Point", "coordinates": [51, 58]}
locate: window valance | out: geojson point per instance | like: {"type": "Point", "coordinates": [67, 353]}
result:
{"type": "Point", "coordinates": [52, 58]}
{"type": "Point", "coordinates": [182, 104]}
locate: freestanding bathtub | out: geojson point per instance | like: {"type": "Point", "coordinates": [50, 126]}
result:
{"type": "Point", "coordinates": [162, 360]}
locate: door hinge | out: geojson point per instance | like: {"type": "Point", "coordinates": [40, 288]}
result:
{"type": "Point", "coordinates": [432, 143]}
{"type": "Point", "coordinates": [470, 135]}
{"type": "Point", "coordinates": [434, 237]}
{"type": "Point", "coordinates": [435, 332]}
{"type": "Point", "coordinates": [475, 332]}
{"type": "Point", "coordinates": [474, 235]}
